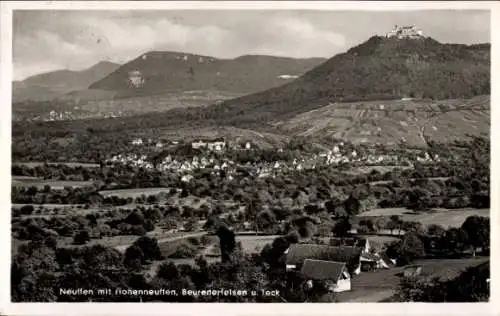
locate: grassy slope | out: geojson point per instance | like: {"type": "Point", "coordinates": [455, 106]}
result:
{"type": "Point", "coordinates": [443, 217]}
{"type": "Point", "coordinates": [394, 121]}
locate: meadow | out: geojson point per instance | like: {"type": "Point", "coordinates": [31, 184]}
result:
{"type": "Point", "coordinates": [254, 244]}
{"type": "Point", "coordinates": [444, 217]}
{"type": "Point", "coordinates": [133, 193]}
{"type": "Point", "coordinates": [34, 164]}
{"type": "Point", "coordinates": [23, 181]}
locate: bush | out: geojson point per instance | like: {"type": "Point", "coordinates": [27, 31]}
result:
{"type": "Point", "coordinates": [27, 209]}
{"type": "Point", "coordinates": [149, 247]}
{"type": "Point", "coordinates": [82, 237]}
{"type": "Point", "coordinates": [134, 257]}
{"type": "Point", "coordinates": [183, 251]}
{"type": "Point", "coordinates": [138, 230]}
{"type": "Point", "coordinates": [135, 218]}
{"type": "Point", "coordinates": [205, 240]}
{"type": "Point", "coordinates": [149, 226]}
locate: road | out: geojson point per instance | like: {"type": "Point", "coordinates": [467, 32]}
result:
{"type": "Point", "coordinates": [124, 247]}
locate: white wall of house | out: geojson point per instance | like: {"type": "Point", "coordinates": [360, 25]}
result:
{"type": "Point", "coordinates": [290, 267]}
{"type": "Point", "coordinates": [342, 285]}
{"type": "Point", "coordinates": [358, 269]}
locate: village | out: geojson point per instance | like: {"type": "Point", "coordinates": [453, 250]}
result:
{"type": "Point", "coordinates": [212, 157]}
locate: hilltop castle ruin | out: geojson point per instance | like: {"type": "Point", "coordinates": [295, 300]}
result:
{"type": "Point", "coordinates": [405, 32]}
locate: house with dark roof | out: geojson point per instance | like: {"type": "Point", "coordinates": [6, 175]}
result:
{"type": "Point", "coordinates": [387, 262]}
{"type": "Point", "coordinates": [334, 275]}
{"type": "Point", "coordinates": [296, 255]}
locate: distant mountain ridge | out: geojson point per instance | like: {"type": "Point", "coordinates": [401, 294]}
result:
{"type": "Point", "coordinates": [56, 83]}
{"type": "Point", "coordinates": [158, 72]}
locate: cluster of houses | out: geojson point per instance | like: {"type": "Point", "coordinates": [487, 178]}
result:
{"type": "Point", "coordinates": [131, 160]}
{"type": "Point", "coordinates": [157, 144]}
{"type": "Point", "coordinates": [337, 155]}
{"type": "Point", "coordinates": [212, 146]}
{"type": "Point", "coordinates": [61, 116]}
{"type": "Point", "coordinates": [334, 265]}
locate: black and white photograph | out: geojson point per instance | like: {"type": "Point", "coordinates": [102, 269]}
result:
{"type": "Point", "coordinates": [248, 155]}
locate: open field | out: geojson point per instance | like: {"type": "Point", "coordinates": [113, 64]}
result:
{"type": "Point", "coordinates": [254, 244]}
{"type": "Point", "coordinates": [250, 244]}
{"type": "Point", "coordinates": [379, 285]}
{"type": "Point", "coordinates": [133, 193]}
{"type": "Point", "coordinates": [54, 184]}
{"type": "Point", "coordinates": [367, 169]}
{"type": "Point", "coordinates": [443, 217]}
{"type": "Point", "coordinates": [410, 180]}
{"type": "Point", "coordinates": [122, 242]}
{"type": "Point", "coordinates": [34, 164]}
{"type": "Point", "coordinates": [164, 241]}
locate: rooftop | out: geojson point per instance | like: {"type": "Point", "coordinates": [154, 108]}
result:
{"type": "Point", "coordinates": [298, 253]}
{"type": "Point", "coordinates": [322, 270]}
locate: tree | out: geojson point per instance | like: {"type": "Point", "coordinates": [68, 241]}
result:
{"type": "Point", "coordinates": [406, 250]}
{"type": "Point", "coordinates": [27, 209]}
{"type": "Point", "coordinates": [227, 242]}
{"type": "Point", "coordinates": [435, 230]}
{"type": "Point", "coordinates": [265, 220]}
{"type": "Point", "coordinates": [82, 237]}
{"type": "Point", "coordinates": [134, 258]}
{"type": "Point", "coordinates": [138, 230]}
{"type": "Point", "coordinates": [135, 218]}
{"type": "Point", "coordinates": [412, 227]}
{"type": "Point", "coordinates": [168, 271]}
{"type": "Point", "coordinates": [456, 239]}
{"type": "Point", "coordinates": [33, 276]}
{"type": "Point", "coordinates": [149, 225]}
{"type": "Point", "coordinates": [99, 258]}
{"type": "Point", "coordinates": [342, 227]}
{"type": "Point", "coordinates": [191, 225]}
{"type": "Point", "coordinates": [352, 204]}
{"type": "Point", "coordinates": [184, 250]}
{"type": "Point", "coordinates": [149, 247]}
{"type": "Point", "coordinates": [478, 231]}
{"type": "Point", "coordinates": [152, 199]}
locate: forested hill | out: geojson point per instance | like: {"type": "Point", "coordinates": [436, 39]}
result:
{"type": "Point", "coordinates": [380, 68]}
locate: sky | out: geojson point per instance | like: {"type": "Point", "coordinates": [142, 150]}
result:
{"type": "Point", "coordinates": [46, 40]}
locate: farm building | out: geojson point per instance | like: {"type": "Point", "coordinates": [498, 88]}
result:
{"type": "Point", "coordinates": [217, 146]}
{"type": "Point", "coordinates": [137, 141]}
{"type": "Point", "coordinates": [296, 255]}
{"type": "Point", "coordinates": [333, 274]}
{"type": "Point", "coordinates": [370, 261]}
{"type": "Point", "coordinates": [198, 144]}
{"type": "Point", "coordinates": [370, 258]}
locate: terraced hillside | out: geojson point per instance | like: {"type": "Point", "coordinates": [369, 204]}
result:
{"type": "Point", "coordinates": [389, 122]}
